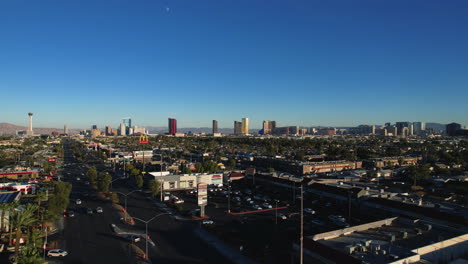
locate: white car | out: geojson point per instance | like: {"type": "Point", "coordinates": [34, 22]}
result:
{"type": "Point", "coordinates": [99, 210]}
{"type": "Point", "coordinates": [257, 207]}
{"type": "Point", "coordinates": [78, 201]}
{"type": "Point", "coordinates": [282, 216]}
{"type": "Point", "coordinates": [57, 253]}
{"type": "Point", "coordinates": [207, 222]}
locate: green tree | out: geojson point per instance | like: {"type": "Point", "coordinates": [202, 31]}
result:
{"type": "Point", "coordinates": [300, 155]}
{"type": "Point", "coordinates": [4, 207]}
{"type": "Point", "coordinates": [231, 164]}
{"type": "Point", "coordinates": [199, 167]}
{"type": "Point", "coordinates": [40, 197]}
{"type": "Point", "coordinates": [47, 167]}
{"type": "Point", "coordinates": [58, 200]}
{"type": "Point", "coordinates": [135, 172]}
{"type": "Point", "coordinates": [104, 180]}
{"type": "Point", "coordinates": [22, 219]}
{"type": "Point", "coordinates": [154, 187]}
{"type": "Point", "coordinates": [31, 254]}
{"type": "Point", "coordinates": [418, 173]}
{"type": "Point", "coordinates": [139, 181]}
{"type": "Point", "coordinates": [185, 170]}
{"type": "Point", "coordinates": [92, 174]}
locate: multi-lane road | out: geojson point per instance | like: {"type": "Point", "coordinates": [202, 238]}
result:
{"type": "Point", "coordinates": [89, 238]}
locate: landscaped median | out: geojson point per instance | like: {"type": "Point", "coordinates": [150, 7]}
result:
{"type": "Point", "coordinates": [126, 218]}
{"type": "Point", "coordinates": [137, 255]}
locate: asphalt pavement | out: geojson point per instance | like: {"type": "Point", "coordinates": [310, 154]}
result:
{"type": "Point", "coordinates": [175, 240]}
{"type": "Point", "coordinates": [89, 238]}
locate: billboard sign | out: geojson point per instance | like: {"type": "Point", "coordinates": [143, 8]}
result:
{"type": "Point", "coordinates": [143, 139]}
{"type": "Point", "coordinates": [202, 194]}
{"type": "Point", "coordinates": [217, 179]}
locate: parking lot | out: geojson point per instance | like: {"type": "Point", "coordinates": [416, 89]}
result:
{"type": "Point", "coordinates": [254, 226]}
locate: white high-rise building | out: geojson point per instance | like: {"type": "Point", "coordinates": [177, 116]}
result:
{"type": "Point", "coordinates": [30, 129]}
{"type": "Point", "coordinates": [122, 130]}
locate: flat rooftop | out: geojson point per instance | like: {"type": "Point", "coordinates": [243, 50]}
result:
{"type": "Point", "coordinates": [406, 236]}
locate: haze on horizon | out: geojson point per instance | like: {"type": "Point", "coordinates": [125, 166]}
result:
{"type": "Point", "coordinates": [304, 63]}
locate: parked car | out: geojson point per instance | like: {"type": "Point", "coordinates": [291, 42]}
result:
{"type": "Point", "coordinates": [78, 201]}
{"type": "Point", "coordinates": [99, 210]}
{"type": "Point", "coordinates": [257, 207]}
{"type": "Point", "coordinates": [309, 211]}
{"type": "Point", "coordinates": [267, 205]}
{"type": "Point", "coordinates": [57, 253]}
{"type": "Point", "coordinates": [178, 201]}
{"type": "Point", "coordinates": [87, 182]}
{"type": "Point", "coordinates": [207, 222]}
{"type": "Point", "coordinates": [71, 213]}
{"type": "Point", "coordinates": [282, 216]}
{"type": "Point", "coordinates": [89, 211]}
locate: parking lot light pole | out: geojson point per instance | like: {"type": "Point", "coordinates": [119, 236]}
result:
{"type": "Point", "coordinates": [146, 228]}
{"type": "Point", "coordinates": [125, 195]}
{"type": "Point", "coordinates": [276, 212]}
{"type": "Point", "coordinates": [229, 196]}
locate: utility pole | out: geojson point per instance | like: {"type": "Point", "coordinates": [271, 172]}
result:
{"type": "Point", "coordinates": [302, 227]}
{"type": "Point", "coordinates": [349, 207]}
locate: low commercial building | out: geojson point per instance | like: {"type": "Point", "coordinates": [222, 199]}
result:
{"type": "Point", "coordinates": [19, 175]}
{"type": "Point", "coordinates": [394, 240]}
{"type": "Point", "coordinates": [391, 161]}
{"type": "Point", "coordinates": [186, 181]}
{"type": "Point", "coordinates": [303, 168]}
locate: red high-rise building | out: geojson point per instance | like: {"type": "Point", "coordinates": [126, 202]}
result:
{"type": "Point", "coordinates": [172, 126]}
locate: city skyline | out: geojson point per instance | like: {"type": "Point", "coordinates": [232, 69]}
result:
{"type": "Point", "coordinates": [300, 63]}
{"type": "Point", "coordinates": [172, 123]}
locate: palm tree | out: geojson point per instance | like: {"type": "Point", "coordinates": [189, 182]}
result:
{"type": "Point", "coordinates": [40, 197]}
{"type": "Point", "coordinates": [12, 206]}
{"type": "Point", "coordinates": [3, 207]}
{"type": "Point", "coordinates": [22, 219]}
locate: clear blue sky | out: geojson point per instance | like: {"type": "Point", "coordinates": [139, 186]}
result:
{"type": "Point", "coordinates": [298, 62]}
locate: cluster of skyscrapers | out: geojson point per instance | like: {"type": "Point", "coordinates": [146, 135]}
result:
{"type": "Point", "coordinates": [241, 128]}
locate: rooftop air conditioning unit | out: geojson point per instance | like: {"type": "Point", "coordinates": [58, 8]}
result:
{"type": "Point", "coordinates": [367, 243]}
{"type": "Point", "coordinates": [350, 249]}
{"type": "Point", "coordinates": [404, 234]}
{"type": "Point", "coordinates": [418, 231]}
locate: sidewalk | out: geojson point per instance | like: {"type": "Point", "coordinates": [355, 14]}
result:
{"type": "Point", "coordinates": [230, 253]}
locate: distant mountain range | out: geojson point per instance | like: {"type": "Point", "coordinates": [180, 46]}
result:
{"type": "Point", "coordinates": [10, 129]}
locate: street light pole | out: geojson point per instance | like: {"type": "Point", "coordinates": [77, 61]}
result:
{"type": "Point", "coordinates": [125, 195]}
{"type": "Point", "coordinates": [302, 227]}
{"type": "Point", "coordinates": [146, 228]}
